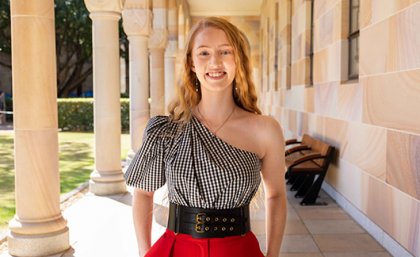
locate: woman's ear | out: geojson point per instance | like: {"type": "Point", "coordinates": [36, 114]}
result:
{"type": "Point", "coordinates": [192, 67]}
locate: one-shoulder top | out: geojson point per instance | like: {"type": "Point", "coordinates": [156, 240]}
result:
{"type": "Point", "coordinates": [200, 169]}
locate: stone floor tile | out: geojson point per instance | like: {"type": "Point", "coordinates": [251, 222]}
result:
{"type": "Point", "coordinates": [327, 212]}
{"type": "Point", "coordinates": [299, 244]}
{"type": "Point", "coordinates": [258, 227]}
{"type": "Point", "coordinates": [361, 254]}
{"type": "Point", "coordinates": [323, 200]}
{"type": "Point", "coordinates": [300, 255]}
{"type": "Point", "coordinates": [333, 227]}
{"type": "Point", "coordinates": [292, 214]}
{"type": "Point", "coordinates": [69, 253]}
{"type": "Point", "coordinates": [262, 242]}
{"type": "Point", "coordinates": [295, 227]}
{"type": "Point", "coordinates": [347, 243]}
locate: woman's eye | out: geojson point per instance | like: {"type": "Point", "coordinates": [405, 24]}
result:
{"type": "Point", "coordinates": [226, 52]}
{"type": "Point", "coordinates": [204, 53]}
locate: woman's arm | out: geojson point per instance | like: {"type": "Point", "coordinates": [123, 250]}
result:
{"type": "Point", "coordinates": [142, 216]}
{"type": "Point", "coordinates": [274, 185]}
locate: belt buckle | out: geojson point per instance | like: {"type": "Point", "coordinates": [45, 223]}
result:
{"type": "Point", "coordinates": [199, 219]}
{"type": "Point", "coordinates": [198, 228]}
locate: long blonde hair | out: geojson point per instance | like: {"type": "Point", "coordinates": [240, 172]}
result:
{"type": "Point", "coordinates": [243, 89]}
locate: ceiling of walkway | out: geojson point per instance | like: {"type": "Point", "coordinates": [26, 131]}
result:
{"type": "Point", "coordinates": [225, 7]}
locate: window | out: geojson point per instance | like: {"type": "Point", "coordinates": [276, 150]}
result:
{"type": "Point", "coordinates": [276, 48]}
{"type": "Point", "coordinates": [353, 72]}
{"type": "Point", "coordinates": [311, 51]}
{"type": "Point", "coordinates": [261, 58]}
{"type": "Point", "coordinates": [268, 54]}
{"type": "Point", "coordinates": [289, 48]}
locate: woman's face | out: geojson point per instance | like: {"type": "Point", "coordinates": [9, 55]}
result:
{"type": "Point", "coordinates": [213, 60]}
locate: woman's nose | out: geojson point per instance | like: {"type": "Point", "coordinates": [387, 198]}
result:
{"type": "Point", "coordinates": [215, 60]}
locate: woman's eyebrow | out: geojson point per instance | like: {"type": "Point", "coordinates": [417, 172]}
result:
{"type": "Point", "coordinates": [201, 46]}
{"type": "Point", "coordinates": [206, 46]}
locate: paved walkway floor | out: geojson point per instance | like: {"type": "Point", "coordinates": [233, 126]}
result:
{"type": "Point", "coordinates": [103, 227]}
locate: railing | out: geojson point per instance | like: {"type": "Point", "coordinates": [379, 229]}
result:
{"type": "Point", "coordinates": [3, 115]}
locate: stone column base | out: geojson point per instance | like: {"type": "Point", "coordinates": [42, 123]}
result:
{"type": "Point", "coordinates": [107, 184]}
{"type": "Point", "coordinates": [38, 245]}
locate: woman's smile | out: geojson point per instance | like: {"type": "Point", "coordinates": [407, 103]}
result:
{"type": "Point", "coordinates": [216, 75]}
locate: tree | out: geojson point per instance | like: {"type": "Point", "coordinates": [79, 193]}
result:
{"type": "Point", "coordinates": [5, 43]}
{"type": "Point", "coordinates": [73, 44]}
{"type": "Point", "coordinates": [73, 29]}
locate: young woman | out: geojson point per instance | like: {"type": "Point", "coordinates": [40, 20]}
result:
{"type": "Point", "coordinates": [211, 151]}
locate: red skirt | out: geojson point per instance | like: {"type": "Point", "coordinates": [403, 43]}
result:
{"type": "Point", "coordinates": [182, 245]}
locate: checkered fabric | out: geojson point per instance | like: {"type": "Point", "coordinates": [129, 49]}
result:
{"type": "Point", "coordinates": [200, 169]}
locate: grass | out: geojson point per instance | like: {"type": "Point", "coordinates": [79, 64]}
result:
{"type": "Point", "coordinates": [76, 164]}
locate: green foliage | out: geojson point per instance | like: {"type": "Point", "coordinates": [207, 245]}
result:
{"type": "Point", "coordinates": [76, 159]}
{"type": "Point", "coordinates": [9, 108]}
{"type": "Point", "coordinates": [5, 41]}
{"type": "Point", "coordinates": [73, 27]}
{"type": "Point", "coordinates": [76, 114]}
{"type": "Point", "coordinates": [7, 192]}
{"type": "Point", "coordinates": [73, 34]}
{"type": "Point", "coordinates": [125, 114]}
{"type": "Point", "coordinates": [76, 164]}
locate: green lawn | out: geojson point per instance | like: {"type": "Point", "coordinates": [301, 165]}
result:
{"type": "Point", "coordinates": [76, 164]}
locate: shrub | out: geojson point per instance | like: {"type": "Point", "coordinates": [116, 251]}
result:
{"type": "Point", "coordinates": [76, 114]}
{"type": "Point", "coordinates": [125, 114]}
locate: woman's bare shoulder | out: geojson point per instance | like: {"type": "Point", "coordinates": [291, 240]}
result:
{"type": "Point", "coordinates": [263, 123]}
{"type": "Point", "coordinates": [256, 133]}
{"type": "Point", "coordinates": [266, 127]}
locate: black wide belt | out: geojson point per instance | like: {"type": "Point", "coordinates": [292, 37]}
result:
{"type": "Point", "coordinates": [208, 223]}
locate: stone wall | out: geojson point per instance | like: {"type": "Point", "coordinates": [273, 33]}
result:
{"type": "Point", "coordinates": [373, 121]}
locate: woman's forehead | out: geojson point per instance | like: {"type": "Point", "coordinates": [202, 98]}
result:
{"type": "Point", "coordinates": [210, 36]}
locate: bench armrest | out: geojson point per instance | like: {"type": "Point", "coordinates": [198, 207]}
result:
{"type": "Point", "coordinates": [297, 149]}
{"type": "Point", "coordinates": [292, 141]}
{"type": "Point", "coordinates": [307, 157]}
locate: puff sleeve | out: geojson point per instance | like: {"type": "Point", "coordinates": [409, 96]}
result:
{"type": "Point", "coordinates": [147, 170]}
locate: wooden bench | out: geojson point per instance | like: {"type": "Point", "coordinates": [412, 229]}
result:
{"type": "Point", "coordinates": [307, 160]}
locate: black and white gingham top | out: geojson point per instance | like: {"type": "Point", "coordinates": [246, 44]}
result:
{"type": "Point", "coordinates": [200, 169]}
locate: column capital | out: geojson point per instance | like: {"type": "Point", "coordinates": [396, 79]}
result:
{"type": "Point", "coordinates": [104, 5]}
{"type": "Point", "coordinates": [171, 49]}
{"type": "Point", "coordinates": [158, 39]}
{"type": "Point", "coordinates": [136, 4]}
{"type": "Point", "coordinates": [137, 22]}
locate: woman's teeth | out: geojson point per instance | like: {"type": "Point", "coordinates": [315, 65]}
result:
{"type": "Point", "coordinates": [215, 74]}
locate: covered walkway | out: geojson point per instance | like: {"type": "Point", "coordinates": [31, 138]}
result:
{"type": "Point", "coordinates": [102, 226]}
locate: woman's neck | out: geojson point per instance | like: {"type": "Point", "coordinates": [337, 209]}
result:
{"type": "Point", "coordinates": [214, 108]}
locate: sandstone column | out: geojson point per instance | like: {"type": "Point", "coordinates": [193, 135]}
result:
{"type": "Point", "coordinates": [157, 44]}
{"type": "Point", "coordinates": [137, 25]}
{"type": "Point", "coordinates": [181, 27]}
{"type": "Point", "coordinates": [107, 178]}
{"type": "Point", "coordinates": [38, 228]}
{"type": "Point", "coordinates": [171, 52]}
